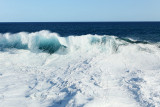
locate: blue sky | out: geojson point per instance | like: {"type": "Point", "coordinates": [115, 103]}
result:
{"type": "Point", "coordinates": [79, 10]}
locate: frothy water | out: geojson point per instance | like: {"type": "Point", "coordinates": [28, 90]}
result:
{"type": "Point", "coordinates": [43, 69]}
{"type": "Point", "coordinates": [51, 42]}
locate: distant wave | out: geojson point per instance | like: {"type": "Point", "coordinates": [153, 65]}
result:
{"type": "Point", "coordinates": [45, 41]}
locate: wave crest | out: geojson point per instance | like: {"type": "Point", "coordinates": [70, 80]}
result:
{"type": "Point", "coordinates": [51, 42]}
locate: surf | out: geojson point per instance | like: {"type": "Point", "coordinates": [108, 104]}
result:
{"type": "Point", "coordinates": [50, 70]}
{"type": "Point", "coordinates": [49, 42]}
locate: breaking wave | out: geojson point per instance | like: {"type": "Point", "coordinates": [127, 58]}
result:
{"type": "Point", "coordinates": [81, 72]}
{"type": "Point", "coordinates": [45, 41]}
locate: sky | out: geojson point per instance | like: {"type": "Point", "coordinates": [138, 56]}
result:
{"type": "Point", "coordinates": [79, 10]}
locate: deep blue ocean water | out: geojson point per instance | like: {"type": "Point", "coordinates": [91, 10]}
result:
{"type": "Point", "coordinates": [146, 31]}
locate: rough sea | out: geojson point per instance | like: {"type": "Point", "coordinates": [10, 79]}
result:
{"type": "Point", "coordinates": [80, 64]}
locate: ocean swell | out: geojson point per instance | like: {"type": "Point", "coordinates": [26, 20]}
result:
{"type": "Point", "coordinates": [45, 41]}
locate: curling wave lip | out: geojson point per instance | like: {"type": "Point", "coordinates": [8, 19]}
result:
{"type": "Point", "coordinates": [45, 41]}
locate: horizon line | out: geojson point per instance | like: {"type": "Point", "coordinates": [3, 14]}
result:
{"type": "Point", "coordinates": [73, 21]}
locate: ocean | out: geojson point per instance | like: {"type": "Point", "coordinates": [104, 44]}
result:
{"type": "Point", "coordinates": [76, 64]}
{"type": "Point", "coordinates": [149, 31]}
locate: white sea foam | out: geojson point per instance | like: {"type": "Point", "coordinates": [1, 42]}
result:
{"type": "Point", "coordinates": [51, 42]}
{"type": "Point", "coordinates": [42, 69]}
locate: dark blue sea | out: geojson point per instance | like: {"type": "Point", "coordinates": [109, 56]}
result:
{"type": "Point", "coordinates": [143, 31]}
